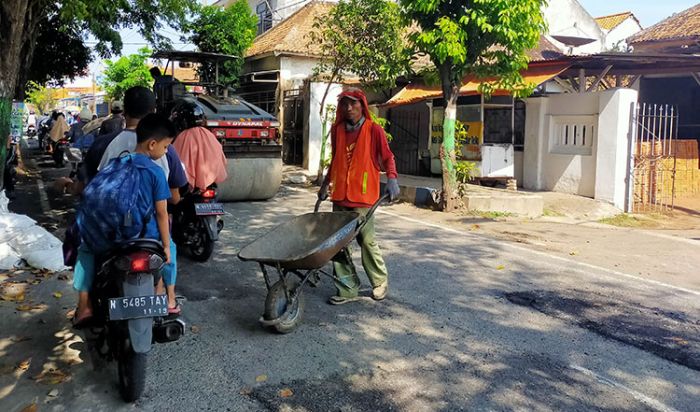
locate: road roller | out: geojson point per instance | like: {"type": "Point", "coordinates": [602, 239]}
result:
{"type": "Point", "coordinates": [249, 135]}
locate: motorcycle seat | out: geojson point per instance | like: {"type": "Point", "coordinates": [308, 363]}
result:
{"type": "Point", "coordinates": [135, 245]}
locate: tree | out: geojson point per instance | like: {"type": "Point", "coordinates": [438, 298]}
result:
{"type": "Point", "coordinates": [44, 98]}
{"type": "Point", "coordinates": [485, 38]}
{"type": "Point", "coordinates": [227, 31]}
{"type": "Point", "coordinates": [20, 19]}
{"type": "Point", "coordinates": [126, 72]}
{"type": "Point", "coordinates": [60, 53]}
{"type": "Point", "coordinates": [363, 38]}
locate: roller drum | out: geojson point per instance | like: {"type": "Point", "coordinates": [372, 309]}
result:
{"type": "Point", "coordinates": [251, 177]}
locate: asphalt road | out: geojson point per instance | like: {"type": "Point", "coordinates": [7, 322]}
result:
{"type": "Point", "coordinates": [471, 323]}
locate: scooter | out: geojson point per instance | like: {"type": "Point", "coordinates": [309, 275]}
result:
{"type": "Point", "coordinates": [74, 157]}
{"type": "Point", "coordinates": [31, 131]}
{"type": "Point", "coordinates": [59, 148]}
{"type": "Point", "coordinates": [128, 317]}
{"type": "Point", "coordinates": [196, 224]}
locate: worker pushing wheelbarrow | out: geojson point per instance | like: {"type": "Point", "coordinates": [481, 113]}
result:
{"type": "Point", "coordinates": [299, 249]}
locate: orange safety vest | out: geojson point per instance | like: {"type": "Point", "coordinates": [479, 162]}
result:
{"type": "Point", "coordinates": [355, 179]}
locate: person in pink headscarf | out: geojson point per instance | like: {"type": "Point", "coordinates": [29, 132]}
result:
{"type": "Point", "coordinates": [198, 148]}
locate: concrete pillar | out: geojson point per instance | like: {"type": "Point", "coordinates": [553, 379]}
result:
{"type": "Point", "coordinates": [614, 134]}
{"type": "Point", "coordinates": [536, 136]}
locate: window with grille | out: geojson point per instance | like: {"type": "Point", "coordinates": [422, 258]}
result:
{"type": "Point", "coordinates": [573, 135]}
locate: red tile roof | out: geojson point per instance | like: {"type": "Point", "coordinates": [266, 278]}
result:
{"type": "Point", "coordinates": [610, 22]}
{"type": "Point", "coordinates": [683, 25]}
{"type": "Point", "coordinates": [291, 35]}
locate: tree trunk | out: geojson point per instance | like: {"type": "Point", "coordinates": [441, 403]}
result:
{"type": "Point", "coordinates": [450, 90]}
{"type": "Point", "coordinates": [324, 128]}
{"type": "Point", "coordinates": [14, 17]}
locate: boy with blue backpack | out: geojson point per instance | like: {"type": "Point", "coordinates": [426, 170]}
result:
{"type": "Point", "coordinates": [126, 200]}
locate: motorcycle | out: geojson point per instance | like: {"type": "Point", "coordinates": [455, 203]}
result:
{"type": "Point", "coordinates": [31, 131]}
{"type": "Point", "coordinates": [128, 317]}
{"type": "Point", "coordinates": [74, 157]}
{"type": "Point", "coordinates": [59, 148]}
{"type": "Point", "coordinates": [196, 224]}
{"type": "Point", "coordinates": [43, 134]}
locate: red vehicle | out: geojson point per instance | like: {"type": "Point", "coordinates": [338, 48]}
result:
{"type": "Point", "coordinates": [249, 135]}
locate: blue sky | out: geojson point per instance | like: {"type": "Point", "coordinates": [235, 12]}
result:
{"type": "Point", "coordinates": [649, 12]}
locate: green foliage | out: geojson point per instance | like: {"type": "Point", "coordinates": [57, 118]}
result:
{"type": "Point", "coordinates": [328, 118]}
{"type": "Point", "coordinates": [363, 38]}
{"type": "Point", "coordinates": [485, 38]}
{"type": "Point", "coordinates": [104, 18]}
{"type": "Point", "coordinates": [44, 98]}
{"type": "Point", "coordinates": [228, 31]}
{"type": "Point", "coordinates": [61, 53]}
{"type": "Point", "coordinates": [488, 39]}
{"type": "Point", "coordinates": [384, 123]}
{"type": "Point", "coordinates": [126, 72]}
{"type": "Point", "coordinates": [465, 171]}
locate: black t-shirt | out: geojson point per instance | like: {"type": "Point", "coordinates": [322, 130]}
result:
{"type": "Point", "coordinates": [94, 155]}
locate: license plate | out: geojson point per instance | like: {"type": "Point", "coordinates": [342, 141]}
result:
{"type": "Point", "coordinates": [134, 307]}
{"type": "Point", "coordinates": [208, 209]}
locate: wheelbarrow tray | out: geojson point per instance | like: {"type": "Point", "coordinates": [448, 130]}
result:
{"type": "Point", "coordinates": [306, 242]}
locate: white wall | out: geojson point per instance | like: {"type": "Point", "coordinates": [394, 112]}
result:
{"type": "Point", "coordinates": [616, 37]}
{"type": "Point", "coordinates": [313, 128]}
{"type": "Point", "coordinates": [597, 169]}
{"type": "Point", "coordinates": [562, 15]}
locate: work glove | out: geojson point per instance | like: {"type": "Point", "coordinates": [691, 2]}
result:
{"type": "Point", "coordinates": [392, 189]}
{"type": "Point", "coordinates": [323, 191]}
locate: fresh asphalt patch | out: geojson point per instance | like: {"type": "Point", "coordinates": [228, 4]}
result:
{"type": "Point", "coordinates": [674, 336]}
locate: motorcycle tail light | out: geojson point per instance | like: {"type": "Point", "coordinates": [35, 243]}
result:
{"type": "Point", "coordinates": [209, 194]}
{"type": "Point", "coordinates": [139, 262]}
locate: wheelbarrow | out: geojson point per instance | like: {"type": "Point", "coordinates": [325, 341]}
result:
{"type": "Point", "coordinates": [298, 250]}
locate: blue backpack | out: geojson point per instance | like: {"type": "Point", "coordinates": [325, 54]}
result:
{"type": "Point", "coordinates": [109, 213]}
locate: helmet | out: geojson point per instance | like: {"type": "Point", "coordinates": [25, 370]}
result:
{"type": "Point", "coordinates": [186, 114]}
{"type": "Point", "coordinates": [117, 106]}
{"type": "Point", "coordinates": [85, 114]}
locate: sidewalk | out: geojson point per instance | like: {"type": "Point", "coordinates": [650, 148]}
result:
{"type": "Point", "coordinates": [40, 352]}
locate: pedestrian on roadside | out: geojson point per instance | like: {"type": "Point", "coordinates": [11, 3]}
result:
{"type": "Point", "coordinates": [360, 151]}
{"type": "Point", "coordinates": [116, 121]}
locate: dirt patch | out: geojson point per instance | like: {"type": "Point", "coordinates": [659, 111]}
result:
{"type": "Point", "coordinates": [674, 336]}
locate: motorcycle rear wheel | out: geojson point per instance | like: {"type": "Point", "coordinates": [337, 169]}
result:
{"type": "Point", "coordinates": [202, 249]}
{"type": "Point", "coordinates": [132, 372]}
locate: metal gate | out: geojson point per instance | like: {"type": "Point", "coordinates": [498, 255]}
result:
{"type": "Point", "coordinates": [403, 127]}
{"type": "Point", "coordinates": [655, 157]}
{"type": "Point", "coordinates": [293, 132]}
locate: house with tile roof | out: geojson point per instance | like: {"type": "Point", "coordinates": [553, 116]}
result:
{"type": "Point", "coordinates": [679, 33]}
{"type": "Point", "coordinates": [617, 28]}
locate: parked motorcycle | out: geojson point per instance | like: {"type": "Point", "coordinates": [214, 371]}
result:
{"type": "Point", "coordinates": [196, 224]}
{"type": "Point", "coordinates": [127, 314]}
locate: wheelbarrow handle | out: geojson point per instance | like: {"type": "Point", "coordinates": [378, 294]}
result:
{"type": "Point", "coordinates": [318, 205]}
{"type": "Point", "coordinates": [364, 219]}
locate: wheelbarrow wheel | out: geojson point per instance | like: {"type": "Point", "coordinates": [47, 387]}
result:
{"type": "Point", "coordinates": [276, 307]}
